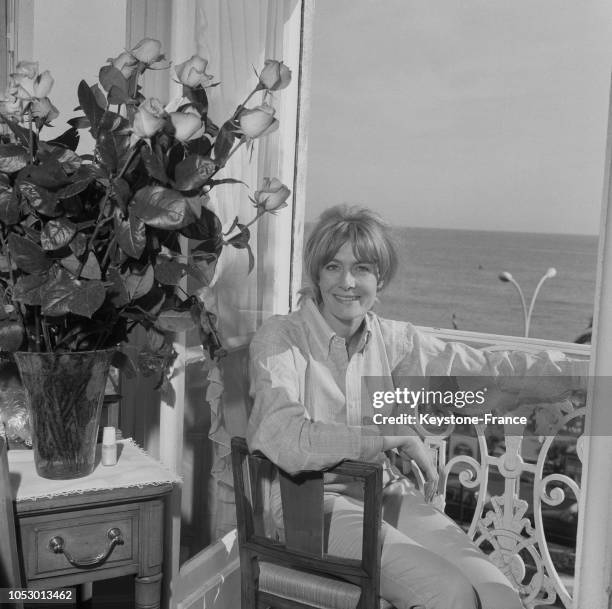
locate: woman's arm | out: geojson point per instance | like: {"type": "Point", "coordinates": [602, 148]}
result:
{"type": "Point", "coordinates": [279, 425]}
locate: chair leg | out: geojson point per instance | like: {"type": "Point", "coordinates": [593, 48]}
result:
{"type": "Point", "coordinates": [249, 574]}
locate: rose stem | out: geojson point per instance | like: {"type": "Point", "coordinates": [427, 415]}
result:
{"type": "Point", "coordinates": [103, 207]}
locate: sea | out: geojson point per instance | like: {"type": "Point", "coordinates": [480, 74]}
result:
{"type": "Point", "coordinates": [450, 279]}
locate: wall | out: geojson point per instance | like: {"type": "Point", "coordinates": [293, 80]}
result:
{"type": "Point", "coordinates": [72, 39]}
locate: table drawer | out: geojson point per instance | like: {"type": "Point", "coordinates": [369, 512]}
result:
{"type": "Point", "coordinates": [86, 538]}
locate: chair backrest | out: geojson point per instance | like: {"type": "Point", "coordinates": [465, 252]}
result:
{"type": "Point", "coordinates": [303, 547]}
{"type": "Point", "coordinates": [10, 575]}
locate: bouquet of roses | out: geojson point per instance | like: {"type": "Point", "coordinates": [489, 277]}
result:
{"type": "Point", "coordinates": [93, 245]}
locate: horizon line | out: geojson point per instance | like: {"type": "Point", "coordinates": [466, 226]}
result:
{"type": "Point", "coordinates": [484, 230]}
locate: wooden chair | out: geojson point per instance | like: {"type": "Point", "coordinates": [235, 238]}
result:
{"type": "Point", "coordinates": [10, 573]}
{"type": "Point", "coordinates": [297, 572]}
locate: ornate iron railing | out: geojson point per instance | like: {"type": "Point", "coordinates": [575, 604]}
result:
{"type": "Point", "coordinates": [508, 523]}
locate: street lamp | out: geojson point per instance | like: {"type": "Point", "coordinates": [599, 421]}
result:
{"type": "Point", "coordinates": [527, 312]}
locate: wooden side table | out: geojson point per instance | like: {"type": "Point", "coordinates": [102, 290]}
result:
{"type": "Point", "coordinates": [105, 525]}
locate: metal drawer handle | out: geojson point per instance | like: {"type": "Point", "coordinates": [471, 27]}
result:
{"type": "Point", "coordinates": [115, 536]}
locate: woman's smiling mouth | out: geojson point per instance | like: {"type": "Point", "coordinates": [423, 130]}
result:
{"type": "Point", "coordinates": [346, 298]}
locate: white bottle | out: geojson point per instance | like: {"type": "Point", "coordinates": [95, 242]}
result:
{"type": "Point", "coordinates": [109, 446]}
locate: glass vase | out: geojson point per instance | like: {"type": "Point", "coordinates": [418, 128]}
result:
{"type": "Point", "coordinates": [64, 393]}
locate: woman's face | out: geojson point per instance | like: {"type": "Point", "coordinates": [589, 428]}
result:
{"type": "Point", "coordinates": [348, 290]}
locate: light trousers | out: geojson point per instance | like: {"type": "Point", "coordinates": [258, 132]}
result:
{"type": "Point", "coordinates": [427, 560]}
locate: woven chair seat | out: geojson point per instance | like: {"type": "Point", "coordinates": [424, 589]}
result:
{"type": "Point", "coordinates": [316, 590]}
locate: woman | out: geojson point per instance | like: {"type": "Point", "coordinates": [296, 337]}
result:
{"type": "Point", "coordinates": [306, 373]}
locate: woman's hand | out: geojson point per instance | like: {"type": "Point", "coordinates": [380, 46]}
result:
{"type": "Point", "coordinates": [431, 487]}
{"type": "Point", "coordinates": [414, 449]}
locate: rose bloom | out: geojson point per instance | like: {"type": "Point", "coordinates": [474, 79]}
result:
{"type": "Point", "coordinates": [26, 68]}
{"type": "Point", "coordinates": [258, 121]}
{"type": "Point", "coordinates": [272, 196]}
{"type": "Point", "coordinates": [275, 75]}
{"type": "Point", "coordinates": [125, 63]}
{"type": "Point", "coordinates": [22, 86]}
{"type": "Point", "coordinates": [146, 124]}
{"type": "Point", "coordinates": [44, 109]}
{"type": "Point", "coordinates": [186, 125]}
{"type": "Point", "coordinates": [153, 106]}
{"type": "Point", "coordinates": [192, 73]}
{"type": "Point", "coordinates": [202, 130]}
{"type": "Point", "coordinates": [148, 51]}
{"type": "Point", "coordinates": [43, 84]}
{"type": "Point", "coordinates": [25, 87]}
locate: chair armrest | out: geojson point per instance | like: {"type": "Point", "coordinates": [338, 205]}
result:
{"type": "Point", "coordinates": [357, 469]}
{"type": "Point", "coordinates": [371, 473]}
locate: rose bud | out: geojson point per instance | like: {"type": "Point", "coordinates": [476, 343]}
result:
{"type": "Point", "coordinates": [258, 121]}
{"type": "Point", "coordinates": [186, 125]}
{"type": "Point", "coordinates": [275, 75]}
{"type": "Point", "coordinates": [43, 84]}
{"type": "Point", "coordinates": [148, 51]}
{"type": "Point", "coordinates": [125, 63]}
{"type": "Point", "coordinates": [192, 73]}
{"type": "Point", "coordinates": [272, 196]}
{"type": "Point", "coordinates": [146, 124]}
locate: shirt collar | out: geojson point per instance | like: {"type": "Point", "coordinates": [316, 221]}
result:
{"type": "Point", "coordinates": [323, 335]}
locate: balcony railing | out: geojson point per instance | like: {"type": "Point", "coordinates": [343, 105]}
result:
{"type": "Point", "coordinates": [509, 491]}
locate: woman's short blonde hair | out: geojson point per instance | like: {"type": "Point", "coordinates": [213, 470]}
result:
{"type": "Point", "coordinates": [366, 230]}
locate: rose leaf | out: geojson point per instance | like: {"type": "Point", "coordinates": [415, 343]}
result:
{"type": "Point", "coordinates": [207, 226]}
{"type": "Point", "coordinates": [57, 233]}
{"type": "Point", "coordinates": [131, 235]}
{"type": "Point", "coordinates": [9, 207]}
{"type": "Point", "coordinates": [91, 268]}
{"type": "Point", "coordinates": [90, 107]}
{"type": "Point", "coordinates": [12, 158]}
{"type": "Point", "coordinates": [27, 255]}
{"type": "Point", "coordinates": [138, 284]}
{"type": "Point", "coordinates": [169, 272]}
{"type": "Point", "coordinates": [28, 289]}
{"type": "Point", "coordinates": [162, 208]}
{"type": "Point", "coordinates": [193, 172]}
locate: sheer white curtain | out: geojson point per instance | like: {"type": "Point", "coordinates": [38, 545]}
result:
{"type": "Point", "coordinates": [237, 36]}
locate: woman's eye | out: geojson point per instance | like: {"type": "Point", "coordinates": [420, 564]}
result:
{"type": "Point", "coordinates": [331, 267]}
{"type": "Point", "coordinates": [365, 268]}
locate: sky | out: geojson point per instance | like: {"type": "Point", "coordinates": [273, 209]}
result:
{"type": "Point", "coordinates": [473, 114]}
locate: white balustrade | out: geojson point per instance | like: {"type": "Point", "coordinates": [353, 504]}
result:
{"type": "Point", "coordinates": [508, 523]}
